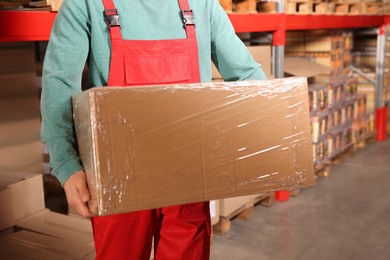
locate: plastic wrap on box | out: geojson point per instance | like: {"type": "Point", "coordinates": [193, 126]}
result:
{"type": "Point", "coordinates": [154, 146]}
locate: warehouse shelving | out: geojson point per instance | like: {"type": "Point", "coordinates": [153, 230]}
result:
{"type": "Point", "coordinates": [36, 26]}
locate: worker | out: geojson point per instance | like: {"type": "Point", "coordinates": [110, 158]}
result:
{"type": "Point", "coordinates": [129, 43]}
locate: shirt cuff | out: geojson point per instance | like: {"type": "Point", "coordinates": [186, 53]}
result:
{"type": "Point", "coordinates": [67, 169]}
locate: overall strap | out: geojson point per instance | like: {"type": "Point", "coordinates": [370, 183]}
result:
{"type": "Point", "coordinates": [188, 18]}
{"type": "Point", "coordinates": [111, 17]}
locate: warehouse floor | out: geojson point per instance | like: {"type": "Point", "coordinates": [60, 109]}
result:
{"type": "Point", "coordinates": [345, 216]}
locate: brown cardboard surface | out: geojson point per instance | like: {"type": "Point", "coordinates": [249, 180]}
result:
{"type": "Point", "coordinates": [18, 250]}
{"type": "Point", "coordinates": [230, 205]}
{"type": "Point", "coordinates": [149, 147]}
{"type": "Point", "coordinates": [17, 60]}
{"type": "Point", "coordinates": [20, 108]}
{"type": "Point", "coordinates": [10, 257]}
{"type": "Point", "coordinates": [18, 84]}
{"type": "Point", "coordinates": [21, 195]}
{"type": "Point", "coordinates": [59, 225]}
{"type": "Point", "coordinates": [66, 247]}
{"type": "Point", "coordinates": [21, 131]}
{"type": "Point", "coordinates": [18, 156]}
{"type": "Point", "coordinates": [301, 67]}
{"type": "Point", "coordinates": [261, 55]}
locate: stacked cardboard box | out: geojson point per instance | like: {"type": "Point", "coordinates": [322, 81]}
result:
{"type": "Point", "coordinates": [333, 95]}
{"type": "Point", "coordinates": [350, 7]}
{"type": "Point", "coordinates": [30, 231]}
{"type": "Point", "coordinates": [20, 146]}
{"type": "Point", "coordinates": [52, 5]}
{"type": "Point", "coordinates": [22, 203]}
{"type": "Point", "coordinates": [331, 49]}
{"type": "Point", "coordinates": [31, 5]}
{"type": "Point", "coordinates": [261, 55]}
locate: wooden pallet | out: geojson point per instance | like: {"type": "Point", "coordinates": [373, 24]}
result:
{"type": "Point", "coordinates": [266, 7]}
{"type": "Point", "coordinates": [342, 156]}
{"type": "Point", "coordinates": [362, 142]}
{"type": "Point", "coordinates": [245, 6]}
{"type": "Point", "coordinates": [299, 7]}
{"type": "Point", "coordinates": [246, 212]}
{"type": "Point", "coordinates": [323, 171]}
{"type": "Point", "coordinates": [227, 5]}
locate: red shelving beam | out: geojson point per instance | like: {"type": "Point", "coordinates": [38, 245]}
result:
{"type": "Point", "coordinates": [308, 22]}
{"type": "Point", "coordinates": [256, 22]}
{"type": "Point", "coordinates": [36, 26]}
{"type": "Point", "coordinates": [25, 25]}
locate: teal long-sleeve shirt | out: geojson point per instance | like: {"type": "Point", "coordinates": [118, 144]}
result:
{"type": "Point", "coordinates": [80, 36]}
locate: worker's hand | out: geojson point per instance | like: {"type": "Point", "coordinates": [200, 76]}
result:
{"type": "Point", "coordinates": [77, 193]}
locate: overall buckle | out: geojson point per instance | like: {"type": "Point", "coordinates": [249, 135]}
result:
{"type": "Point", "coordinates": [187, 17]}
{"type": "Point", "coordinates": [112, 18]}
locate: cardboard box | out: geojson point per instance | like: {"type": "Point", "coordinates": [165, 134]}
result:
{"type": "Point", "coordinates": [20, 108]}
{"type": "Point", "coordinates": [214, 211]}
{"type": "Point", "coordinates": [20, 131]}
{"type": "Point", "coordinates": [21, 194]}
{"type": "Point", "coordinates": [18, 84]}
{"type": "Point", "coordinates": [15, 157]}
{"type": "Point", "coordinates": [69, 248]}
{"type": "Point", "coordinates": [154, 146]}
{"type": "Point", "coordinates": [229, 206]}
{"type": "Point", "coordinates": [76, 229]}
{"type": "Point", "coordinates": [261, 55]}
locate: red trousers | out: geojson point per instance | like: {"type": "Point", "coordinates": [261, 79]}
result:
{"type": "Point", "coordinates": [180, 232]}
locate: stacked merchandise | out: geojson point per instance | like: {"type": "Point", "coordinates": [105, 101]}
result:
{"type": "Point", "coordinates": [20, 146]}
{"type": "Point", "coordinates": [364, 59]}
{"type": "Point", "coordinates": [52, 5]}
{"type": "Point", "coordinates": [319, 118]}
{"type": "Point", "coordinates": [31, 5]}
{"type": "Point", "coordinates": [333, 95]}
{"type": "Point", "coordinates": [28, 230]}
{"type": "Point", "coordinates": [350, 7]}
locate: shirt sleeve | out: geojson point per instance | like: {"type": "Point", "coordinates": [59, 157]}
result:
{"type": "Point", "coordinates": [228, 52]}
{"type": "Point", "coordinates": [62, 72]}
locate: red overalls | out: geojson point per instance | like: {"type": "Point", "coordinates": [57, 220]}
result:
{"type": "Point", "coordinates": [180, 232]}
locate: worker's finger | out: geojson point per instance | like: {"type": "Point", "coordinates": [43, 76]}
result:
{"type": "Point", "coordinates": [77, 193]}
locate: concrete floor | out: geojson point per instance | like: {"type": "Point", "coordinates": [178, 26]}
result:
{"type": "Point", "coordinates": [345, 216]}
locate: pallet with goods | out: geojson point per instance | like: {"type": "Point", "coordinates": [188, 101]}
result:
{"type": "Point", "coordinates": [357, 7]}
{"type": "Point", "coordinates": [53, 5]}
{"type": "Point", "coordinates": [240, 207]}
{"type": "Point", "coordinates": [31, 5]}
{"type": "Point", "coordinates": [245, 6]}
{"type": "Point", "coordinates": [332, 96]}
{"type": "Point", "coordinates": [267, 6]}
{"type": "Point", "coordinates": [308, 7]}
{"type": "Point", "coordinates": [239, 6]}
{"type": "Point", "coordinates": [249, 6]}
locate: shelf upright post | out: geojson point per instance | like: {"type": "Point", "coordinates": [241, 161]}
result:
{"type": "Point", "coordinates": [279, 41]}
{"type": "Point", "coordinates": [380, 108]}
